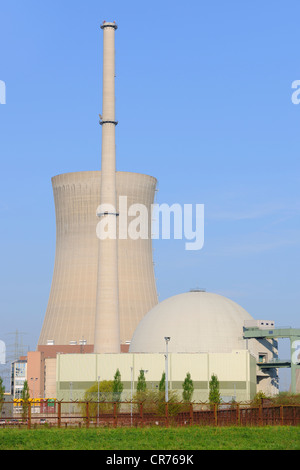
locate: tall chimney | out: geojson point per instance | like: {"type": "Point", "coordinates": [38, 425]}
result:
{"type": "Point", "coordinates": [107, 323]}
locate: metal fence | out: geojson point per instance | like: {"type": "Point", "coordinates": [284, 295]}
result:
{"type": "Point", "coordinates": [89, 414]}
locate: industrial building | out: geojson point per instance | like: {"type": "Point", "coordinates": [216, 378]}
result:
{"type": "Point", "coordinates": [18, 376]}
{"type": "Point", "coordinates": [103, 312]}
{"type": "Point", "coordinates": [236, 372]}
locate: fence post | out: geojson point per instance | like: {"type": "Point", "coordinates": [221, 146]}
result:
{"type": "Point", "coordinates": [294, 416]}
{"type": "Point", "coordinates": [141, 413]}
{"type": "Point", "coordinates": [87, 415]}
{"type": "Point", "coordinates": [167, 415]}
{"type": "Point", "coordinates": [29, 415]}
{"type": "Point", "coordinates": [59, 414]}
{"type": "Point", "coordinates": [191, 414]}
{"type": "Point", "coordinates": [260, 415]}
{"type": "Point", "coordinates": [115, 414]}
{"type": "Point", "coordinates": [216, 414]}
{"type": "Point", "coordinates": [281, 415]}
{"type": "Point", "coordinates": [237, 414]}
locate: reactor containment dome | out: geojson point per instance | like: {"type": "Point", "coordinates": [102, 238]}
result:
{"type": "Point", "coordinates": [196, 322]}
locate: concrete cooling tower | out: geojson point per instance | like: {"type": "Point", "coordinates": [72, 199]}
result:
{"type": "Point", "coordinates": [101, 287]}
{"type": "Point", "coordinates": [70, 315]}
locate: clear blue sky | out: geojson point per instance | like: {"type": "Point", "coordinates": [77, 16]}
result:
{"type": "Point", "coordinates": [204, 105]}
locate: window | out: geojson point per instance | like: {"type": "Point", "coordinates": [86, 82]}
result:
{"type": "Point", "coordinates": [20, 369]}
{"type": "Point", "coordinates": [262, 357]}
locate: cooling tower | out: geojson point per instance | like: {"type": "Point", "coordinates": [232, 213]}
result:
{"type": "Point", "coordinates": [70, 315]}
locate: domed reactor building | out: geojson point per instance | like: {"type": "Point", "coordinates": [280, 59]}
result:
{"type": "Point", "coordinates": [103, 300]}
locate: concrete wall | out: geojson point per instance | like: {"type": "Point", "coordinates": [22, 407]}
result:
{"type": "Point", "coordinates": [236, 373]}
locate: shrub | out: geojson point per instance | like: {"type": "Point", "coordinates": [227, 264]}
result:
{"type": "Point", "coordinates": [162, 383]}
{"type": "Point", "coordinates": [117, 387]}
{"type": "Point", "coordinates": [286, 398]}
{"type": "Point", "coordinates": [25, 400]}
{"type": "Point", "coordinates": [105, 398]}
{"type": "Point", "coordinates": [141, 383]}
{"type": "Point", "coordinates": [258, 399]}
{"type": "Point", "coordinates": [154, 402]}
{"type": "Point", "coordinates": [188, 388]}
{"type": "Point", "coordinates": [214, 391]}
{"type": "Point", "coordinates": [2, 390]}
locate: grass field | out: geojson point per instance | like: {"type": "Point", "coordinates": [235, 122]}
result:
{"type": "Point", "coordinates": [193, 438]}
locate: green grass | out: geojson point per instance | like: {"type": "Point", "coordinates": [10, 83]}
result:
{"type": "Point", "coordinates": [193, 438]}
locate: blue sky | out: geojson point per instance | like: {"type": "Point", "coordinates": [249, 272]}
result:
{"type": "Point", "coordinates": [203, 100]}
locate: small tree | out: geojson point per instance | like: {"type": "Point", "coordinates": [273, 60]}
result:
{"type": "Point", "coordinates": [154, 402]}
{"type": "Point", "coordinates": [2, 390]}
{"type": "Point", "coordinates": [188, 388]}
{"type": "Point", "coordinates": [174, 406]}
{"type": "Point", "coordinates": [149, 398]}
{"type": "Point", "coordinates": [286, 398]}
{"type": "Point", "coordinates": [105, 388]}
{"type": "Point", "coordinates": [214, 391]}
{"type": "Point", "coordinates": [258, 399]}
{"type": "Point", "coordinates": [141, 383]}
{"type": "Point", "coordinates": [25, 396]}
{"type": "Point", "coordinates": [162, 383]}
{"type": "Point", "coordinates": [117, 386]}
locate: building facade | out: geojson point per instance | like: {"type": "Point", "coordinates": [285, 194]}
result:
{"type": "Point", "coordinates": [18, 377]}
{"type": "Point", "coordinates": [236, 373]}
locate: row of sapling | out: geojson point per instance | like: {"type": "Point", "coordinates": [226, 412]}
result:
{"type": "Point", "coordinates": [104, 394]}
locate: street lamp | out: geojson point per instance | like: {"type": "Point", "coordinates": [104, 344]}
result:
{"type": "Point", "coordinates": [167, 339]}
{"type": "Point", "coordinates": [71, 398]}
{"type": "Point", "coordinates": [131, 393]}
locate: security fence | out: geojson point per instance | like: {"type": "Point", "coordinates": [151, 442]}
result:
{"type": "Point", "coordinates": [120, 414]}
